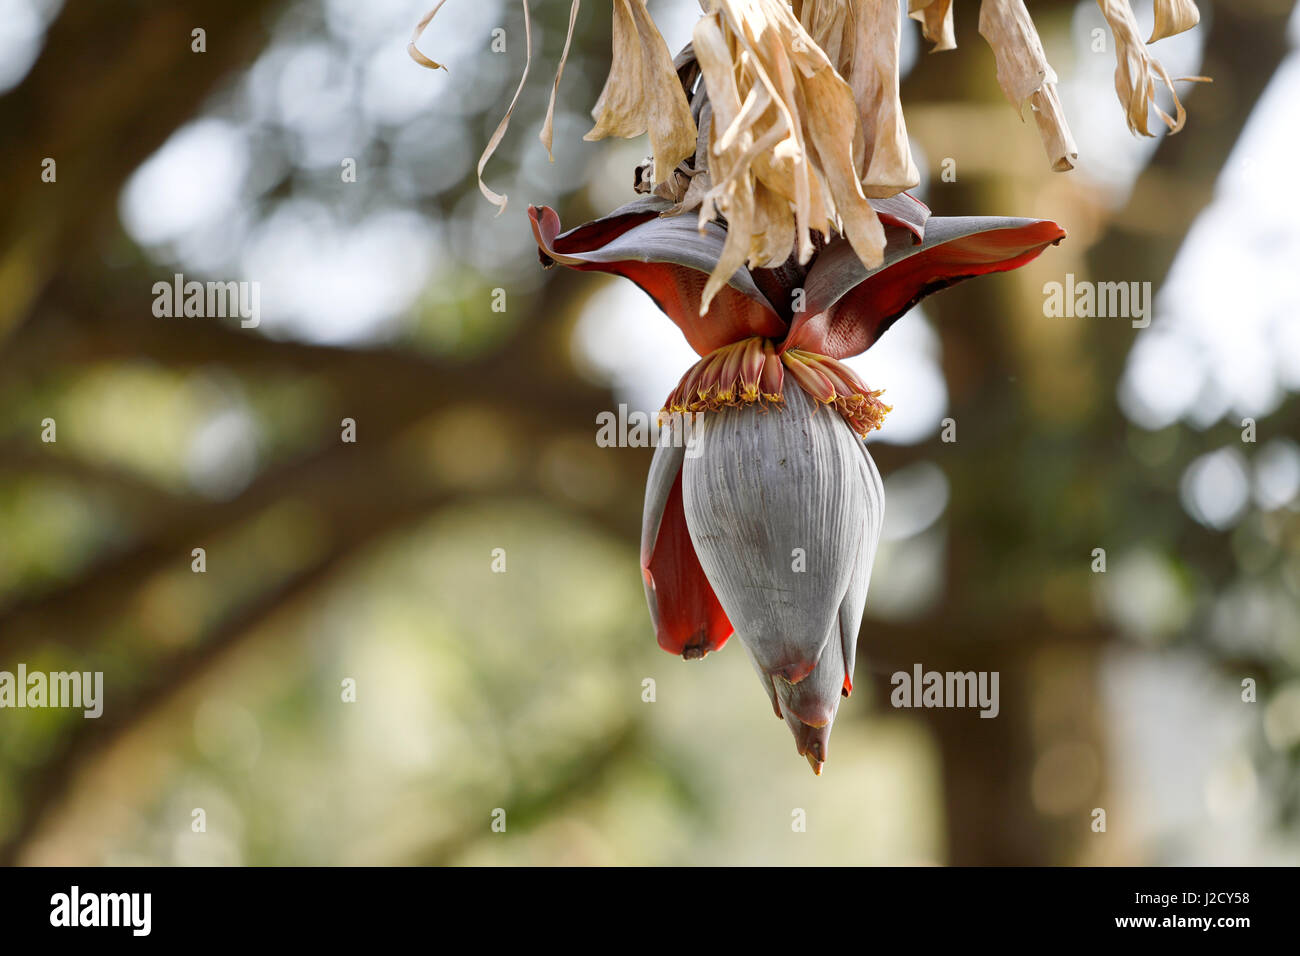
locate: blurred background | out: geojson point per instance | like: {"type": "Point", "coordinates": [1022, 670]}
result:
{"type": "Point", "coordinates": [371, 561]}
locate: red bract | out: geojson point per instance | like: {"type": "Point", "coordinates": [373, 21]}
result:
{"type": "Point", "coordinates": [845, 306]}
{"type": "Point", "coordinates": [688, 619]}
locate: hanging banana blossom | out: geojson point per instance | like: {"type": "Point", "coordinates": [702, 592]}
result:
{"type": "Point", "coordinates": [769, 526]}
{"type": "Point", "coordinates": [780, 127]}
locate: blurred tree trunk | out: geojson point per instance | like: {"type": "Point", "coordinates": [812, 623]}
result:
{"type": "Point", "coordinates": [1004, 471]}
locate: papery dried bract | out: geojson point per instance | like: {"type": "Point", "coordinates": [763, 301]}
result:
{"type": "Point", "coordinates": [887, 166]}
{"type": "Point", "coordinates": [785, 126]}
{"type": "Point", "coordinates": [643, 93]}
{"type": "Point", "coordinates": [829, 23]}
{"type": "Point", "coordinates": [414, 51]}
{"type": "Point", "coordinates": [1136, 72]}
{"type": "Point", "coordinates": [548, 125]}
{"type": "Point", "coordinates": [1173, 17]}
{"type": "Point", "coordinates": [803, 90]}
{"type": "Point", "coordinates": [860, 39]}
{"type": "Point", "coordinates": [1026, 77]}
{"type": "Point", "coordinates": [935, 17]}
{"type": "Point", "coordinates": [495, 198]}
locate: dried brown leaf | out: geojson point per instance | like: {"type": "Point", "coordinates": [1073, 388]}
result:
{"type": "Point", "coordinates": [413, 50]}
{"type": "Point", "coordinates": [643, 93]}
{"type": "Point", "coordinates": [1174, 16]}
{"type": "Point", "coordinates": [887, 166]}
{"type": "Point", "coordinates": [1136, 71]}
{"type": "Point", "coordinates": [497, 199]}
{"type": "Point", "coordinates": [1025, 75]}
{"type": "Point", "coordinates": [548, 126]}
{"type": "Point", "coordinates": [935, 17]}
{"type": "Point", "coordinates": [788, 147]}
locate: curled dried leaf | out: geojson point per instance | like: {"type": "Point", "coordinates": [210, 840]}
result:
{"type": "Point", "coordinates": [787, 142]}
{"type": "Point", "coordinates": [1062, 151]}
{"type": "Point", "coordinates": [413, 50]}
{"type": "Point", "coordinates": [643, 92]}
{"type": "Point", "coordinates": [829, 23]}
{"type": "Point", "coordinates": [496, 199]}
{"type": "Point", "coordinates": [1136, 71]}
{"type": "Point", "coordinates": [548, 127]}
{"type": "Point", "coordinates": [1025, 75]}
{"type": "Point", "coordinates": [935, 17]}
{"type": "Point", "coordinates": [888, 168]}
{"type": "Point", "coordinates": [1174, 16]}
{"type": "Point", "coordinates": [860, 38]}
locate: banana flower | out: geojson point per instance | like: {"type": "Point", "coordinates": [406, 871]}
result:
{"type": "Point", "coordinates": [769, 527]}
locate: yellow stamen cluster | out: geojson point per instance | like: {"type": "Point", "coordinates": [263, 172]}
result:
{"type": "Point", "coordinates": [832, 382]}
{"type": "Point", "coordinates": [752, 372]}
{"type": "Point", "coordinates": [747, 372]}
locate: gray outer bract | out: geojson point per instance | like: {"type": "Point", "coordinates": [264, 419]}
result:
{"type": "Point", "coordinates": [784, 507]}
{"type": "Point", "coordinates": [809, 706]}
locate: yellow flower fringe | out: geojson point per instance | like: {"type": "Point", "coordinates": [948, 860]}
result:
{"type": "Point", "coordinates": [751, 372]}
